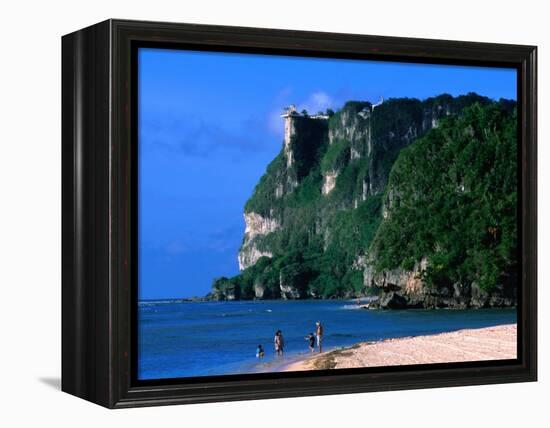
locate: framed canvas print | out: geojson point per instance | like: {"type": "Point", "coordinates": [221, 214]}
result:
{"type": "Point", "coordinates": [253, 213]}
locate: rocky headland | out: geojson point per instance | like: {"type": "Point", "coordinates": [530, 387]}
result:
{"type": "Point", "coordinates": [413, 201]}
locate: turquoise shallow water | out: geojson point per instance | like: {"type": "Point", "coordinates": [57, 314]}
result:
{"type": "Point", "coordinates": [183, 339]}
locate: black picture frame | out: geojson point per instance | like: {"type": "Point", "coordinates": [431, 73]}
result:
{"type": "Point", "coordinates": [99, 209]}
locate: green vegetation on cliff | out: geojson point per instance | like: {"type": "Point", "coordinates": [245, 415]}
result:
{"type": "Point", "coordinates": [452, 198]}
{"type": "Point", "coordinates": [379, 189]}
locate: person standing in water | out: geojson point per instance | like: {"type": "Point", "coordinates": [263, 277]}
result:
{"type": "Point", "coordinates": [319, 334]}
{"type": "Point", "coordinates": [311, 338]}
{"type": "Point", "coordinates": [279, 343]}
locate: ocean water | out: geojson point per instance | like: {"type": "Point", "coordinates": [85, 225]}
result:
{"type": "Point", "coordinates": [187, 339]}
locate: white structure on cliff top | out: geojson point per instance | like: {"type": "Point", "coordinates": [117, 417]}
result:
{"type": "Point", "coordinates": [291, 111]}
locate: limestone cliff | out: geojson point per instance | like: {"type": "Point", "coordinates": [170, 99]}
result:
{"type": "Point", "coordinates": [256, 226]}
{"type": "Point", "coordinates": [314, 214]}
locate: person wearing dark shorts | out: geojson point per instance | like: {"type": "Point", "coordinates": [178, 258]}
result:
{"type": "Point", "coordinates": [311, 338]}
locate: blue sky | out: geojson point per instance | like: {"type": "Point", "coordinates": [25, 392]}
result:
{"type": "Point", "coordinates": [208, 126]}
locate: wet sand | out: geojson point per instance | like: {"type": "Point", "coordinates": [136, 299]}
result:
{"type": "Point", "coordinates": [490, 343]}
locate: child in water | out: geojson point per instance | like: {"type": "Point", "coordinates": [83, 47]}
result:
{"type": "Point", "coordinates": [260, 351]}
{"type": "Point", "coordinates": [311, 339]}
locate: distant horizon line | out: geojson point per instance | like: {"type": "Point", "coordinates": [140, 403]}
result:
{"type": "Point", "coordinates": [154, 299]}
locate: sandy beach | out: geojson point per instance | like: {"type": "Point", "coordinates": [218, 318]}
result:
{"type": "Point", "coordinates": [491, 343]}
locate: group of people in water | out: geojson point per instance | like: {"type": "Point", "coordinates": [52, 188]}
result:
{"type": "Point", "coordinates": [279, 342]}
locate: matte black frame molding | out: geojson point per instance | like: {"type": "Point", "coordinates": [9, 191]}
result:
{"type": "Point", "coordinates": [98, 223]}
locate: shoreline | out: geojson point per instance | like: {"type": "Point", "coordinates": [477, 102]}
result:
{"type": "Point", "coordinates": [480, 344]}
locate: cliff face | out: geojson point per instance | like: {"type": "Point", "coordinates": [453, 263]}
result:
{"type": "Point", "coordinates": [312, 220]}
{"type": "Point", "coordinates": [303, 139]}
{"type": "Point", "coordinates": [256, 226]}
{"type": "Point", "coordinates": [449, 209]}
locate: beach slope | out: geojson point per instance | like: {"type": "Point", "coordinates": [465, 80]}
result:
{"type": "Point", "coordinates": [490, 343]}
